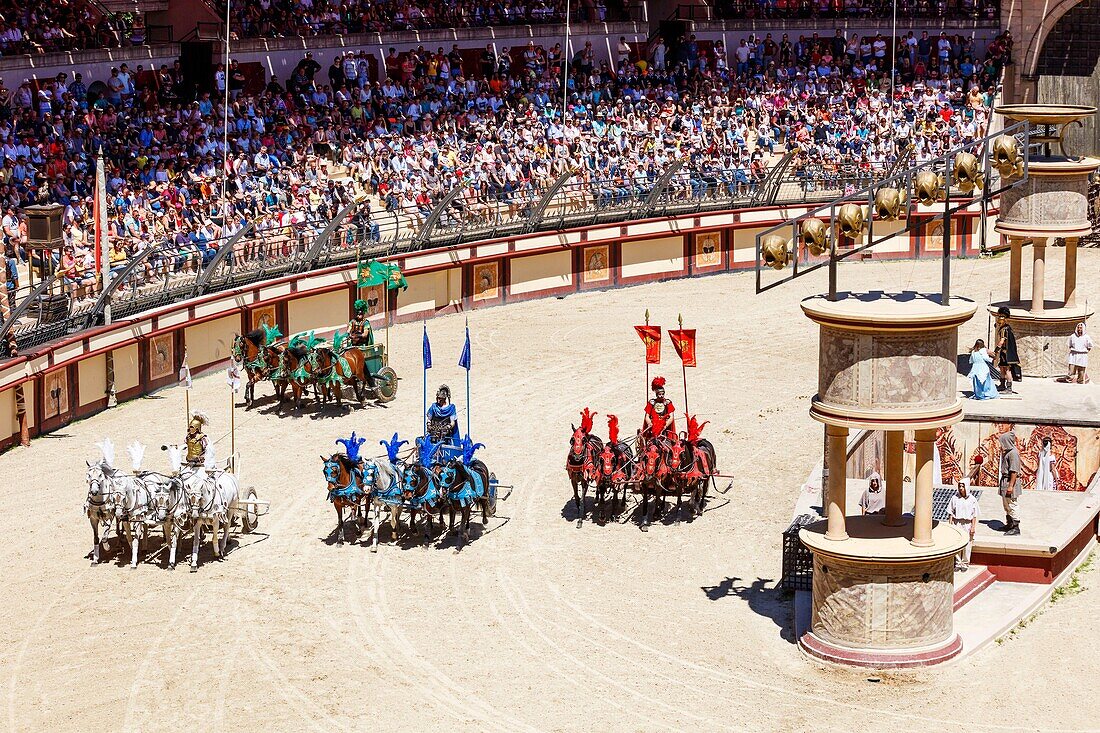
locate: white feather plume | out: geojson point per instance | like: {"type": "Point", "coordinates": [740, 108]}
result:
{"type": "Point", "coordinates": [107, 448]}
{"type": "Point", "coordinates": [137, 455]}
{"type": "Point", "coordinates": [175, 457]}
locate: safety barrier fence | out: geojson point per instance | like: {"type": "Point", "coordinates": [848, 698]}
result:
{"type": "Point", "coordinates": [382, 225]}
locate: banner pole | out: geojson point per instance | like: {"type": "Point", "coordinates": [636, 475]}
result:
{"type": "Point", "coordinates": [683, 368]}
{"type": "Point", "coordinates": [425, 413]}
{"type": "Point", "coordinates": [232, 431]}
{"type": "Point", "coordinates": [645, 387]}
{"type": "Point", "coordinates": [468, 404]}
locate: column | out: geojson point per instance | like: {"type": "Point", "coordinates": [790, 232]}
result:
{"type": "Point", "coordinates": [1071, 272]}
{"type": "Point", "coordinates": [895, 480]}
{"type": "Point", "coordinates": [836, 489]}
{"type": "Point", "coordinates": [1038, 274]}
{"type": "Point", "coordinates": [922, 505]}
{"type": "Point", "coordinates": [1015, 268]}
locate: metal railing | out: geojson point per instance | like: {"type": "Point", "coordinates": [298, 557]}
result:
{"type": "Point", "coordinates": [155, 276]}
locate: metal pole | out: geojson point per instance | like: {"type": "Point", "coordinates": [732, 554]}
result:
{"type": "Point", "coordinates": [232, 431]}
{"type": "Point", "coordinates": [468, 407]}
{"type": "Point", "coordinates": [565, 71]}
{"type": "Point", "coordinates": [832, 254]}
{"type": "Point", "coordinates": [945, 284]}
{"type": "Point", "coordinates": [425, 387]}
{"type": "Point", "coordinates": [683, 368]}
{"type": "Point", "coordinates": [893, 50]}
{"type": "Point", "coordinates": [645, 389]}
{"type": "Point", "coordinates": [225, 120]}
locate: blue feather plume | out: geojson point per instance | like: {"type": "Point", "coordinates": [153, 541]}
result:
{"type": "Point", "coordinates": [392, 446]}
{"type": "Point", "coordinates": [468, 448]}
{"type": "Point", "coordinates": [352, 445]}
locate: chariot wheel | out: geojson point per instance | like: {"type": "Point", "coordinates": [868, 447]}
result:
{"type": "Point", "coordinates": [491, 499]}
{"type": "Point", "coordinates": [386, 384]}
{"type": "Point", "coordinates": [250, 516]}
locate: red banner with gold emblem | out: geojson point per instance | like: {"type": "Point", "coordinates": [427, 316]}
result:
{"type": "Point", "coordinates": [651, 337]}
{"type": "Point", "coordinates": [683, 340]}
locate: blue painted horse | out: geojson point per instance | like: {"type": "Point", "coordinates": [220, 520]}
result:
{"type": "Point", "coordinates": [421, 494]}
{"type": "Point", "coordinates": [466, 482]}
{"type": "Point", "coordinates": [347, 488]}
{"type": "Point", "coordinates": [466, 485]}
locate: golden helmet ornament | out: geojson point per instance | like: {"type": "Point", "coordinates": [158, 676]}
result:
{"type": "Point", "coordinates": [967, 173]}
{"type": "Point", "coordinates": [776, 251]}
{"type": "Point", "coordinates": [1006, 157]}
{"type": "Point", "coordinates": [928, 188]}
{"type": "Point", "coordinates": [851, 219]}
{"type": "Point", "coordinates": [890, 203]}
{"type": "Point", "coordinates": [814, 235]}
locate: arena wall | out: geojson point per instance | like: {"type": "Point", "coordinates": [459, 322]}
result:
{"type": "Point", "coordinates": [68, 379]}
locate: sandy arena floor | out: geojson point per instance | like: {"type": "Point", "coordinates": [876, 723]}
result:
{"type": "Point", "coordinates": [537, 625]}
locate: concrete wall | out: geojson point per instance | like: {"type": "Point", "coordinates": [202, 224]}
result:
{"type": "Point", "coordinates": [652, 257]}
{"type": "Point", "coordinates": [541, 272]}
{"type": "Point", "coordinates": [211, 341]}
{"type": "Point", "coordinates": [126, 368]}
{"type": "Point", "coordinates": [317, 312]}
{"type": "Point", "coordinates": [1029, 22]}
{"type": "Point", "coordinates": [92, 380]}
{"type": "Point", "coordinates": [1069, 71]}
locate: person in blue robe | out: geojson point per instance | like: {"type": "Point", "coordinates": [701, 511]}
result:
{"type": "Point", "coordinates": [443, 418]}
{"type": "Point", "coordinates": [980, 376]}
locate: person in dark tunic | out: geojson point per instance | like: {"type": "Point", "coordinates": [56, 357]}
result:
{"type": "Point", "coordinates": [1008, 358]}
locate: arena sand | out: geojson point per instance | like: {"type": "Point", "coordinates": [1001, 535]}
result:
{"type": "Point", "coordinates": [536, 625]}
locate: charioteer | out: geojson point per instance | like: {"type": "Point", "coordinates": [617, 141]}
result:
{"type": "Point", "coordinates": [442, 418]}
{"type": "Point", "coordinates": [659, 421]}
{"type": "Point", "coordinates": [196, 440]}
{"type": "Point", "coordinates": [360, 332]}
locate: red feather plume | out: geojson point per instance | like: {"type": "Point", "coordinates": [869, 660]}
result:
{"type": "Point", "coordinates": [612, 429]}
{"type": "Point", "coordinates": [657, 382]}
{"type": "Point", "coordinates": [694, 429]}
{"type": "Point", "coordinates": [586, 420]}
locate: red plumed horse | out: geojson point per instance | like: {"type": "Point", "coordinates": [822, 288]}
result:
{"type": "Point", "coordinates": [581, 462]}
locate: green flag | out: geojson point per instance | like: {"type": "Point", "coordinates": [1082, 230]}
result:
{"type": "Point", "coordinates": [377, 273]}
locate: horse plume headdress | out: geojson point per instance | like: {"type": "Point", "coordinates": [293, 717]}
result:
{"type": "Point", "coordinates": [392, 446]}
{"type": "Point", "coordinates": [694, 428]}
{"type": "Point", "coordinates": [137, 455]}
{"type": "Point", "coordinates": [271, 333]}
{"type": "Point", "coordinates": [658, 383]}
{"type": "Point", "coordinates": [586, 419]}
{"type": "Point", "coordinates": [338, 339]}
{"type": "Point", "coordinates": [426, 448]}
{"type": "Point", "coordinates": [107, 448]}
{"type": "Point", "coordinates": [612, 429]}
{"type": "Point", "coordinates": [468, 449]}
{"type": "Point", "coordinates": [352, 446]}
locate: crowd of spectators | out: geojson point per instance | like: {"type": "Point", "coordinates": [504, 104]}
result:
{"type": "Point", "coordinates": [64, 25]}
{"type": "Point", "coordinates": [300, 149]}
{"type": "Point", "coordinates": [269, 18]}
{"type": "Point", "coordinates": [858, 9]}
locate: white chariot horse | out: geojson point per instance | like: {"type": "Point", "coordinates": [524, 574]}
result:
{"type": "Point", "coordinates": [99, 504]}
{"type": "Point", "coordinates": [211, 499]}
{"type": "Point", "coordinates": [382, 478]}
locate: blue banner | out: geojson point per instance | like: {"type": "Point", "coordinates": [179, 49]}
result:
{"type": "Point", "coordinates": [427, 350]}
{"type": "Point", "coordinates": [464, 360]}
